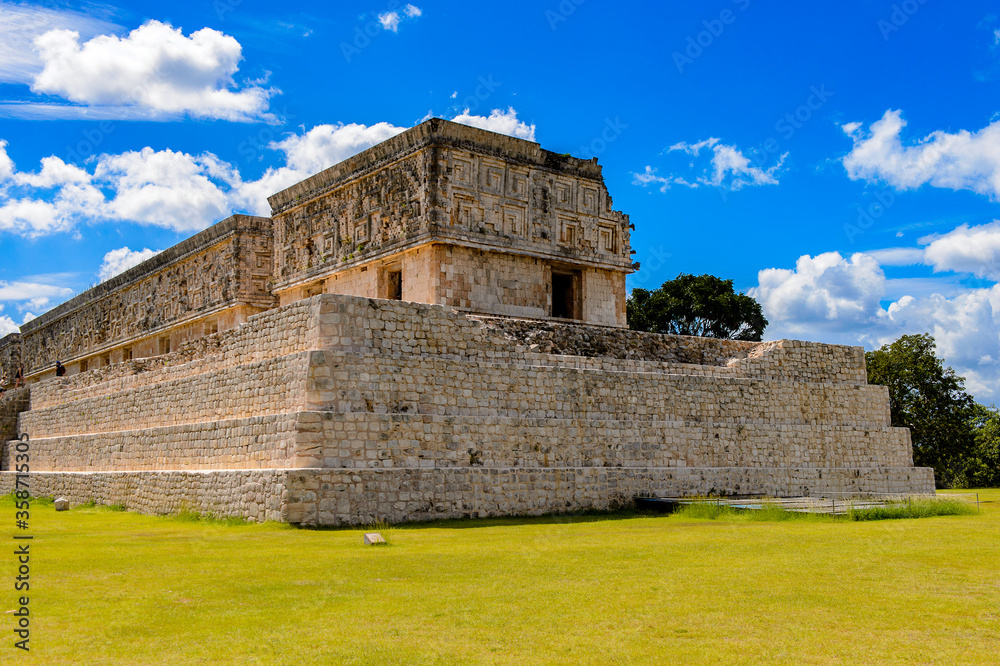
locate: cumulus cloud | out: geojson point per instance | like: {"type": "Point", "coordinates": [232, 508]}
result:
{"type": "Point", "coordinates": [325, 145]}
{"type": "Point", "coordinates": [7, 326]}
{"type": "Point", "coordinates": [502, 122]}
{"type": "Point", "coordinates": [728, 168]}
{"type": "Point", "coordinates": [833, 299]}
{"type": "Point", "coordinates": [178, 190]}
{"type": "Point", "coordinates": [120, 260]}
{"type": "Point", "coordinates": [826, 292]}
{"type": "Point", "coordinates": [155, 69]}
{"type": "Point", "coordinates": [961, 160]}
{"type": "Point", "coordinates": [966, 328]}
{"type": "Point", "coordinates": [966, 249]}
{"type": "Point", "coordinates": [165, 188]}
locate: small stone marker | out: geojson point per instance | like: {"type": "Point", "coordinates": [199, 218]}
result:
{"type": "Point", "coordinates": [62, 504]}
{"type": "Point", "coordinates": [374, 539]}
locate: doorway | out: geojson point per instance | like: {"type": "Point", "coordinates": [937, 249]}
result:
{"type": "Point", "coordinates": [565, 294]}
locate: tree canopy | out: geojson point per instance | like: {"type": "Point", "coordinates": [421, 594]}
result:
{"type": "Point", "coordinates": [931, 401]}
{"type": "Point", "coordinates": [702, 305]}
{"type": "Point", "coordinates": [982, 470]}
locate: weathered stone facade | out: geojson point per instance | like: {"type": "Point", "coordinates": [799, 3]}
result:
{"type": "Point", "coordinates": [474, 220]}
{"type": "Point", "coordinates": [213, 281]}
{"type": "Point", "coordinates": [10, 358]}
{"type": "Point", "coordinates": [433, 328]}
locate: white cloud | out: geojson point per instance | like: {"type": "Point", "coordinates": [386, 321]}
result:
{"type": "Point", "coordinates": [18, 289]}
{"type": "Point", "coordinates": [996, 37]}
{"type": "Point", "coordinates": [20, 24]}
{"type": "Point", "coordinates": [650, 177]}
{"type": "Point", "coordinates": [823, 293]}
{"type": "Point", "coordinates": [966, 249]}
{"type": "Point", "coordinates": [31, 291]}
{"type": "Point", "coordinates": [967, 330]}
{"type": "Point", "coordinates": [120, 260]}
{"type": "Point", "coordinates": [325, 145]}
{"type": "Point", "coordinates": [54, 173]}
{"type": "Point", "coordinates": [959, 161]}
{"type": "Point", "coordinates": [389, 21]}
{"type": "Point", "coordinates": [155, 69]}
{"type": "Point", "coordinates": [7, 326]}
{"type": "Point", "coordinates": [728, 168]}
{"type": "Point", "coordinates": [502, 122]}
{"type": "Point", "coordinates": [832, 299]}
{"type": "Point", "coordinates": [37, 111]}
{"type": "Point", "coordinates": [6, 164]}
{"type": "Point", "coordinates": [164, 188]}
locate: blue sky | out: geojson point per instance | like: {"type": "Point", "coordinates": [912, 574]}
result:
{"type": "Point", "coordinates": [839, 161]}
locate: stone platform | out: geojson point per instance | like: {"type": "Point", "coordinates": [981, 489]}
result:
{"type": "Point", "coordinates": [340, 410]}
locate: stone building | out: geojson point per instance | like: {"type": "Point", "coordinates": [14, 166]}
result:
{"type": "Point", "coordinates": [443, 214]}
{"type": "Point", "coordinates": [212, 281]}
{"type": "Point", "coordinates": [433, 328]}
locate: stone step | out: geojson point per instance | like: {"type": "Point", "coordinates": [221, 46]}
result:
{"type": "Point", "coordinates": [366, 440]}
{"type": "Point", "coordinates": [248, 443]}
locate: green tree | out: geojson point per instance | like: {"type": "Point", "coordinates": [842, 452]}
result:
{"type": "Point", "coordinates": [702, 305]}
{"type": "Point", "coordinates": [983, 467]}
{"type": "Point", "coordinates": [931, 401]}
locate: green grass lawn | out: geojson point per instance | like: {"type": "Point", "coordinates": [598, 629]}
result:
{"type": "Point", "coordinates": [119, 588]}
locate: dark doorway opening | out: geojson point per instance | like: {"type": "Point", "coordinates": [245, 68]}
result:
{"type": "Point", "coordinates": [394, 283]}
{"type": "Point", "coordinates": [564, 295]}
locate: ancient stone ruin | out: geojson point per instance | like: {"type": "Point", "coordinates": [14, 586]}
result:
{"type": "Point", "coordinates": [434, 328]}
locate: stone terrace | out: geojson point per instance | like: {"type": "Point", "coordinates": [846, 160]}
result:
{"type": "Point", "coordinates": [338, 410]}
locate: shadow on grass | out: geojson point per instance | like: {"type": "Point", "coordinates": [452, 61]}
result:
{"type": "Point", "coordinates": [498, 521]}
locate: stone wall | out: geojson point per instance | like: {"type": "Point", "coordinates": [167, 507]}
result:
{"type": "Point", "coordinates": [358, 497]}
{"type": "Point", "coordinates": [12, 403]}
{"type": "Point", "coordinates": [358, 408]}
{"type": "Point", "coordinates": [257, 495]}
{"type": "Point", "coordinates": [259, 442]}
{"type": "Point", "coordinates": [361, 440]}
{"type": "Point", "coordinates": [265, 387]}
{"type": "Point", "coordinates": [221, 274]}
{"type": "Point", "coordinates": [265, 336]}
{"type": "Point", "coordinates": [423, 384]}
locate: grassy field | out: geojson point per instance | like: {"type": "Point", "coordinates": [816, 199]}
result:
{"type": "Point", "coordinates": [118, 588]}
